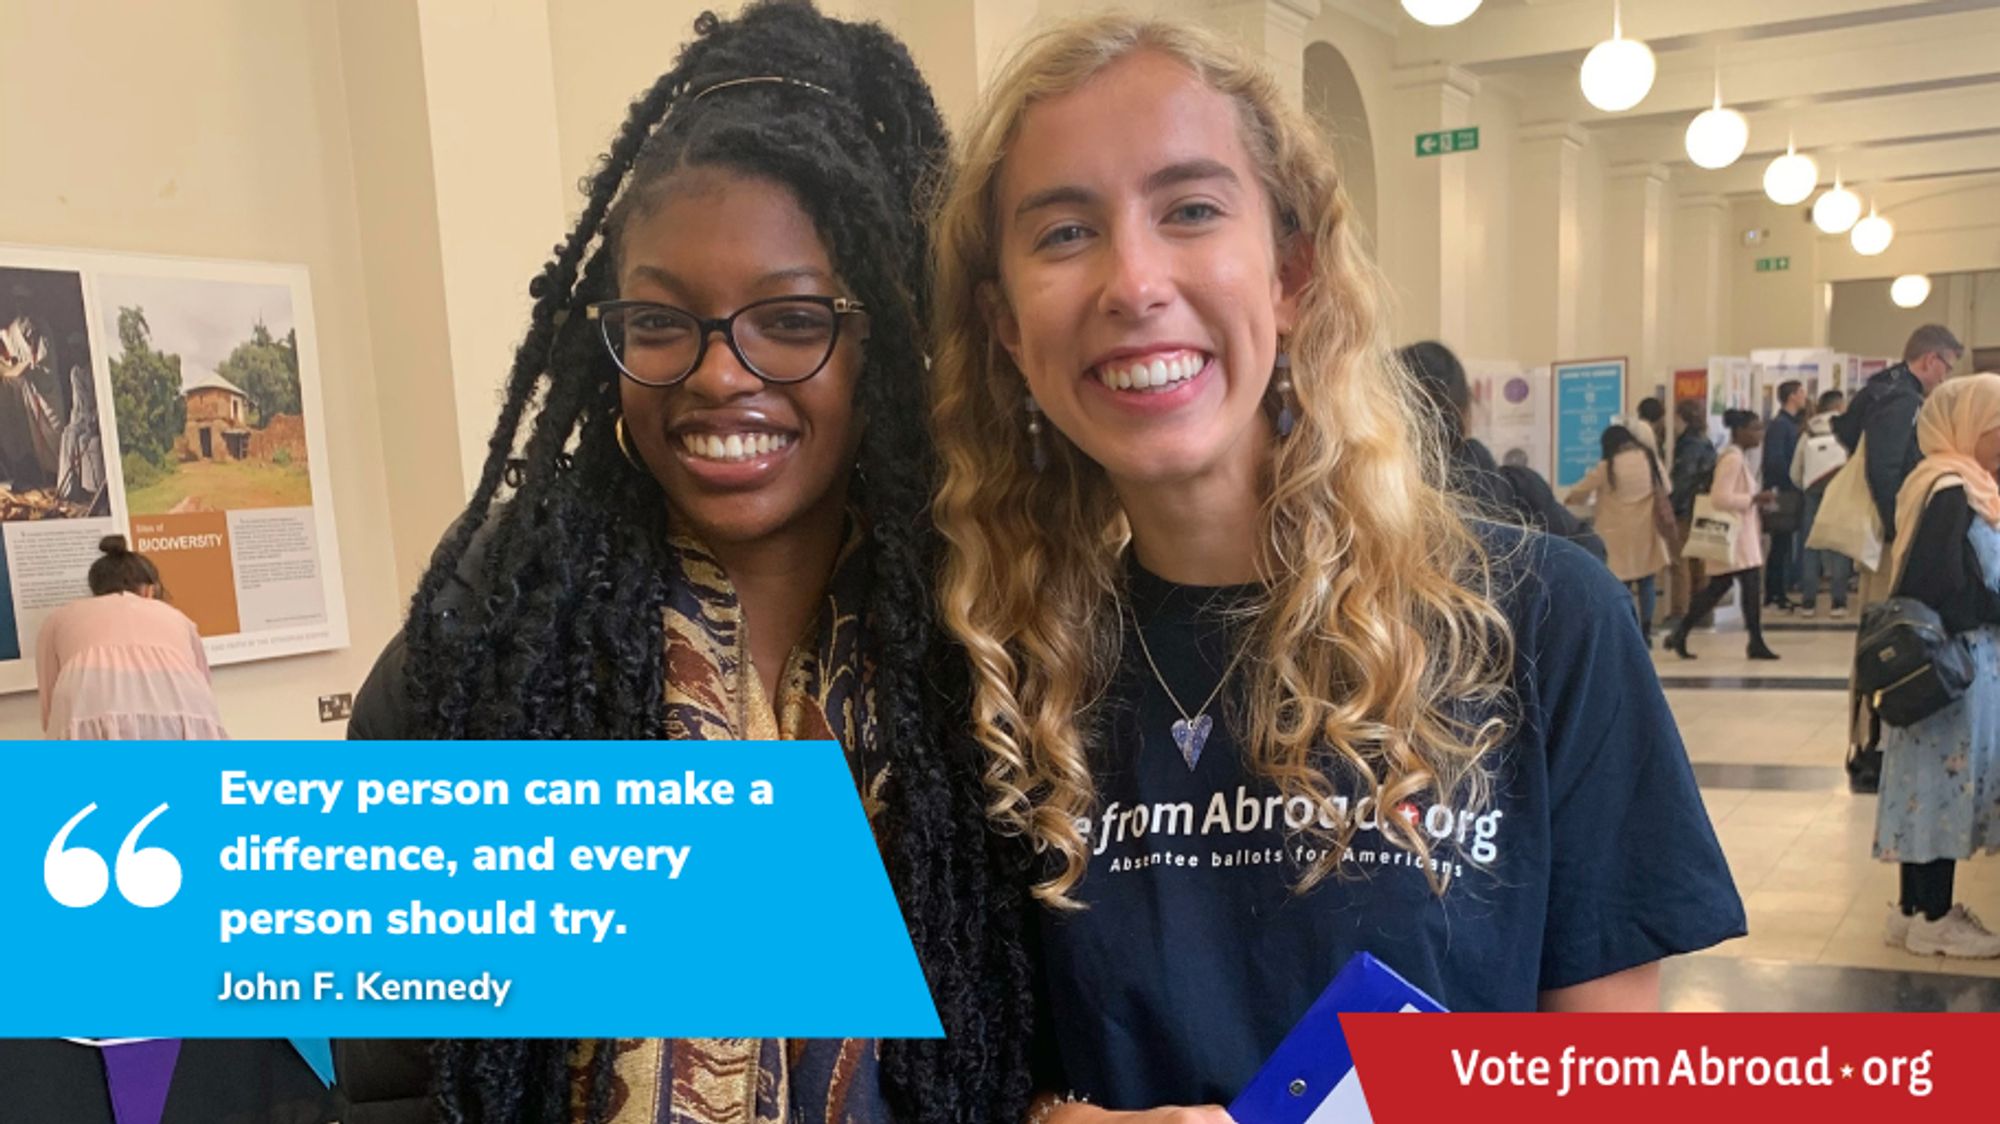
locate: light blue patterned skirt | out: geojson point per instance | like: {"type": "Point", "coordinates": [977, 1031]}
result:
{"type": "Point", "coordinates": [1941, 777]}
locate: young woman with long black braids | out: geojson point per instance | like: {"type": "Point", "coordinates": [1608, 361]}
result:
{"type": "Point", "coordinates": [715, 526]}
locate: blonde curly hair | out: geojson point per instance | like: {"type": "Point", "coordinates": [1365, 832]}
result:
{"type": "Point", "coordinates": [1376, 649]}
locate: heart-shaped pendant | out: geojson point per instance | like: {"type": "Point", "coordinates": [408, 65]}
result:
{"type": "Point", "coordinates": [1191, 737]}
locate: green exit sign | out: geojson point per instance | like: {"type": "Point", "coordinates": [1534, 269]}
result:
{"type": "Point", "coordinates": [1448, 141]}
{"type": "Point", "coordinates": [1773, 265]}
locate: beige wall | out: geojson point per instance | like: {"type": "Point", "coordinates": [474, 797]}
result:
{"type": "Point", "coordinates": [1772, 309]}
{"type": "Point", "coordinates": [215, 128]}
{"type": "Point", "coordinates": [1942, 227]}
{"type": "Point", "coordinates": [1864, 321]}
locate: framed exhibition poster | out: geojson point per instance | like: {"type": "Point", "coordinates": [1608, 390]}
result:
{"type": "Point", "coordinates": [1818, 368]}
{"type": "Point", "coordinates": [177, 402]}
{"type": "Point", "coordinates": [1731, 386]}
{"type": "Point", "coordinates": [1511, 411]}
{"type": "Point", "coordinates": [1589, 393]}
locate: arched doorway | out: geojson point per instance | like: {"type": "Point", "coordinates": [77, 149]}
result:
{"type": "Point", "coordinates": [1333, 97]}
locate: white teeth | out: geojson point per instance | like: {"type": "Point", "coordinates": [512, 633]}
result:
{"type": "Point", "coordinates": [1154, 375]}
{"type": "Point", "coordinates": [734, 446]}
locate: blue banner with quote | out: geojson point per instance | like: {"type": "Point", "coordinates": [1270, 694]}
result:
{"type": "Point", "coordinates": [448, 889]}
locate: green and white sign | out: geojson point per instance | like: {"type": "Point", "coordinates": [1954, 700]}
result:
{"type": "Point", "coordinates": [1448, 141]}
{"type": "Point", "coordinates": [1773, 265]}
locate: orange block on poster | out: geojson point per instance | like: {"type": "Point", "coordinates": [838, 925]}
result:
{"type": "Point", "coordinates": [1691, 385]}
{"type": "Point", "coordinates": [192, 551]}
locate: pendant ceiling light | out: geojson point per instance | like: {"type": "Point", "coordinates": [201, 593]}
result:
{"type": "Point", "coordinates": [1440, 13]}
{"type": "Point", "coordinates": [1872, 235]}
{"type": "Point", "coordinates": [1717, 136]}
{"type": "Point", "coordinates": [1618, 73]}
{"type": "Point", "coordinates": [1791, 177]}
{"type": "Point", "coordinates": [1836, 211]}
{"type": "Point", "coordinates": [1910, 290]}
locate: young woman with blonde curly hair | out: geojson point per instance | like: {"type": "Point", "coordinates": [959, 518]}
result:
{"type": "Point", "coordinates": [1256, 690]}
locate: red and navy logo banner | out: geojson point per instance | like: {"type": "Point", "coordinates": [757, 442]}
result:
{"type": "Point", "coordinates": [1680, 1068]}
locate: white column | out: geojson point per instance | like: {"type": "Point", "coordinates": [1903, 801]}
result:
{"type": "Point", "coordinates": [1424, 224]}
{"type": "Point", "coordinates": [1700, 293]}
{"type": "Point", "coordinates": [1276, 30]}
{"type": "Point", "coordinates": [1548, 241]}
{"type": "Point", "coordinates": [1635, 273]}
{"type": "Point", "coordinates": [490, 88]}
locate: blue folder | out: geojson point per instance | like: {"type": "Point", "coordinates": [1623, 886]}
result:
{"type": "Point", "coordinates": [1310, 1076]}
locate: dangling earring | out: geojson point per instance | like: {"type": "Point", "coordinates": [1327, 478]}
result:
{"type": "Point", "coordinates": [1038, 452]}
{"type": "Point", "coordinates": [1281, 385]}
{"type": "Point", "coordinates": [618, 434]}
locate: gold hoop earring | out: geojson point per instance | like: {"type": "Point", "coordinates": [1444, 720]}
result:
{"type": "Point", "coordinates": [618, 435]}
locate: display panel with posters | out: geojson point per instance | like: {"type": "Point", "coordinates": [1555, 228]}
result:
{"type": "Point", "coordinates": [176, 402]}
{"type": "Point", "coordinates": [1818, 368]}
{"type": "Point", "coordinates": [1731, 386]}
{"type": "Point", "coordinates": [1511, 412]}
{"type": "Point", "coordinates": [1589, 393]}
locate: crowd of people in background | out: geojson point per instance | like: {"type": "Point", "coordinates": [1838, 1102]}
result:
{"type": "Point", "coordinates": [1928, 451]}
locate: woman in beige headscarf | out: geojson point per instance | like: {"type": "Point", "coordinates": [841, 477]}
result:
{"type": "Point", "coordinates": [1941, 776]}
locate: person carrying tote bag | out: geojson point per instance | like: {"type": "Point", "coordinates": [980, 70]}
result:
{"type": "Point", "coordinates": [1713, 533]}
{"type": "Point", "coordinates": [1848, 521]}
{"type": "Point", "coordinates": [1732, 499]}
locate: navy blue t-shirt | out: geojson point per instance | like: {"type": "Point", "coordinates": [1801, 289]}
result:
{"type": "Point", "coordinates": [1196, 954]}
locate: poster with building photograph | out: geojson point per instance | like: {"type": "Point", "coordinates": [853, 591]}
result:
{"type": "Point", "coordinates": [188, 420]}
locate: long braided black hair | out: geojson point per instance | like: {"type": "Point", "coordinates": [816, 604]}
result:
{"type": "Point", "coordinates": [563, 635]}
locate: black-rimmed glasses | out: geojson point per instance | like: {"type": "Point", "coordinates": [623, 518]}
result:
{"type": "Point", "coordinates": [780, 340]}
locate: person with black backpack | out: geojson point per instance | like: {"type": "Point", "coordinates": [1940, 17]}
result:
{"type": "Point", "coordinates": [1884, 412]}
{"type": "Point", "coordinates": [1940, 799]}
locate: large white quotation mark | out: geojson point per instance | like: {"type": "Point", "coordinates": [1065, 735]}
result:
{"type": "Point", "coordinates": [76, 876]}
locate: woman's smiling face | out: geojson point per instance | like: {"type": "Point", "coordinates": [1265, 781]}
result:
{"type": "Point", "coordinates": [740, 459]}
{"type": "Point", "coordinates": [1140, 289]}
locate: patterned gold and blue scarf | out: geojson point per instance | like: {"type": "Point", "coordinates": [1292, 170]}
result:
{"type": "Point", "coordinates": [713, 693]}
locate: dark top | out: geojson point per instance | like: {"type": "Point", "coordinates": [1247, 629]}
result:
{"type": "Point", "coordinates": [1781, 437]}
{"type": "Point", "coordinates": [384, 1080]}
{"type": "Point", "coordinates": [1885, 412]}
{"type": "Point", "coordinates": [1693, 472]}
{"type": "Point", "coordinates": [1515, 495]}
{"type": "Point", "coordinates": [215, 1081]}
{"type": "Point", "coordinates": [1195, 956]}
{"type": "Point", "coordinates": [1944, 570]}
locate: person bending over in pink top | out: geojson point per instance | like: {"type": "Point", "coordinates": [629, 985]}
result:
{"type": "Point", "coordinates": [123, 664]}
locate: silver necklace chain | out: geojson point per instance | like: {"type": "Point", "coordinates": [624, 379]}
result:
{"type": "Point", "coordinates": [1190, 733]}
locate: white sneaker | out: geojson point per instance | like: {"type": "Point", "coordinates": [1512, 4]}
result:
{"type": "Point", "coordinates": [1839, 612]}
{"type": "Point", "coordinates": [1957, 933]}
{"type": "Point", "coordinates": [1896, 929]}
{"type": "Point", "coordinates": [1807, 611]}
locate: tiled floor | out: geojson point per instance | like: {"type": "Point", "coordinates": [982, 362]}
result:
{"type": "Point", "coordinates": [1798, 843]}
